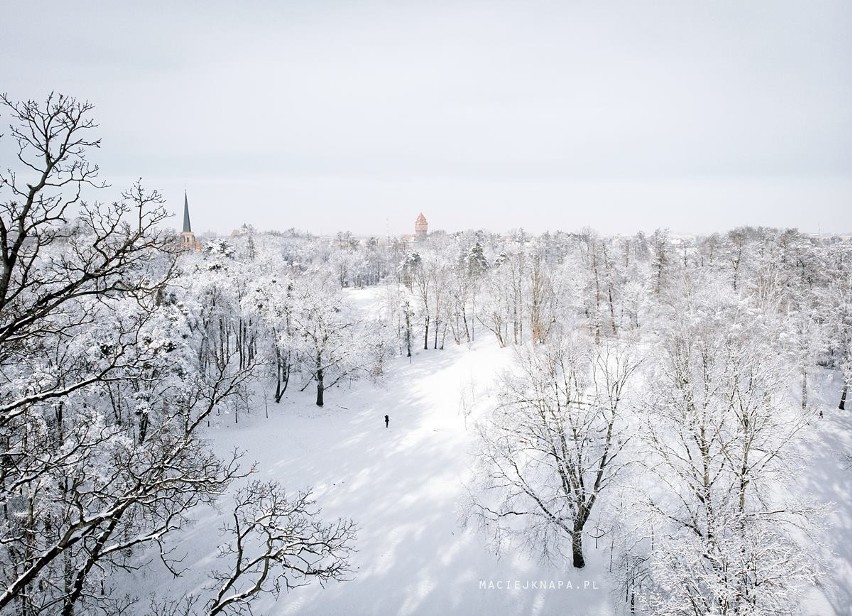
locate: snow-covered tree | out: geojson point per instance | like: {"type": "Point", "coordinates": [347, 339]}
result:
{"type": "Point", "coordinates": [112, 367]}
{"type": "Point", "coordinates": [552, 446]}
{"type": "Point", "coordinates": [332, 340]}
{"type": "Point", "coordinates": [719, 435]}
{"type": "Point", "coordinates": [495, 311]}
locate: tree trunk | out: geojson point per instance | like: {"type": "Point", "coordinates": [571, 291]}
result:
{"type": "Point", "coordinates": [466, 328]}
{"type": "Point", "coordinates": [577, 549]}
{"type": "Point", "coordinates": [320, 390]}
{"type": "Point", "coordinates": [842, 405]}
{"type": "Point", "coordinates": [278, 392]}
{"type": "Point", "coordinates": [286, 373]}
{"type": "Point", "coordinates": [68, 584]}
{"type": "Point", "coordinates": [612, 312]}
{"type": "Point", "coordinates": [320, 383]}
{"type": "Point", "coordinates": [473, 318]}
{"type": "Point", "coordinates": [407, 331]}
{"type": "Point", "coordinates": [143, 426]}
{"type": "Point", "coordinates": [282, 374]}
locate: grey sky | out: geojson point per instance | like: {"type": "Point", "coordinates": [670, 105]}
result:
{"type": "Point", "coordinates": [330, 116]}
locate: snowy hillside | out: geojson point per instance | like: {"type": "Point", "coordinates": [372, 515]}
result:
{"type": "Point", "coordinates": [404, 486]}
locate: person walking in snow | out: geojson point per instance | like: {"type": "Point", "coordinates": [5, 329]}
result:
{"type": "Point", "coordinates": [387, 421]}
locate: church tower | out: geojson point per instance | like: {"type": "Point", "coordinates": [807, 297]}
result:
{"type": "Point", "coordinates": [187, 237]}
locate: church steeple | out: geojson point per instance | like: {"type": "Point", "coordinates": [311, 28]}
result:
{"type": "Point", "coordinates": [187, 227]}
{"type": "Point", "coordinates": [187, 237]}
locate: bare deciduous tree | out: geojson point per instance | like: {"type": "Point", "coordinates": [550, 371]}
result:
{"type": "Point", "coordinates": [553, 445]}
{"type": "Point", "coordinates": [274, 543]}
{"type": "Point", "coordinates": [100, 402]}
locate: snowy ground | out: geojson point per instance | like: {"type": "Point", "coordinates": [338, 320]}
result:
{"type": "Point", "coordinates": [828, 479]}
{"type": "Point", "coordinates": [403, 486]}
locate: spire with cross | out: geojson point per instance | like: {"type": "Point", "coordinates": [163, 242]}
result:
{"type": "Point", "coordinates": [187, 227]}
{"type": "Point", "coordinates": [187, 237]}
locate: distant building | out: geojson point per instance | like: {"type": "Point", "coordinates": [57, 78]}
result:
{"type": "Point", "coordinates": [421, 227]}
{"type": "Point", "coordinates": [188, 240]}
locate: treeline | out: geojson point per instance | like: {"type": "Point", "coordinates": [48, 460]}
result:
{"type": "Point", "coordinates": [522, 288]}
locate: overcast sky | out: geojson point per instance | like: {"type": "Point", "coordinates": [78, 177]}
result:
{"type": "Point", "coordinates": [328, 116]}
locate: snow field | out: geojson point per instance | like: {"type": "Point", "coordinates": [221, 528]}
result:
{"type": "Point", "coordinates": [404, 485]}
